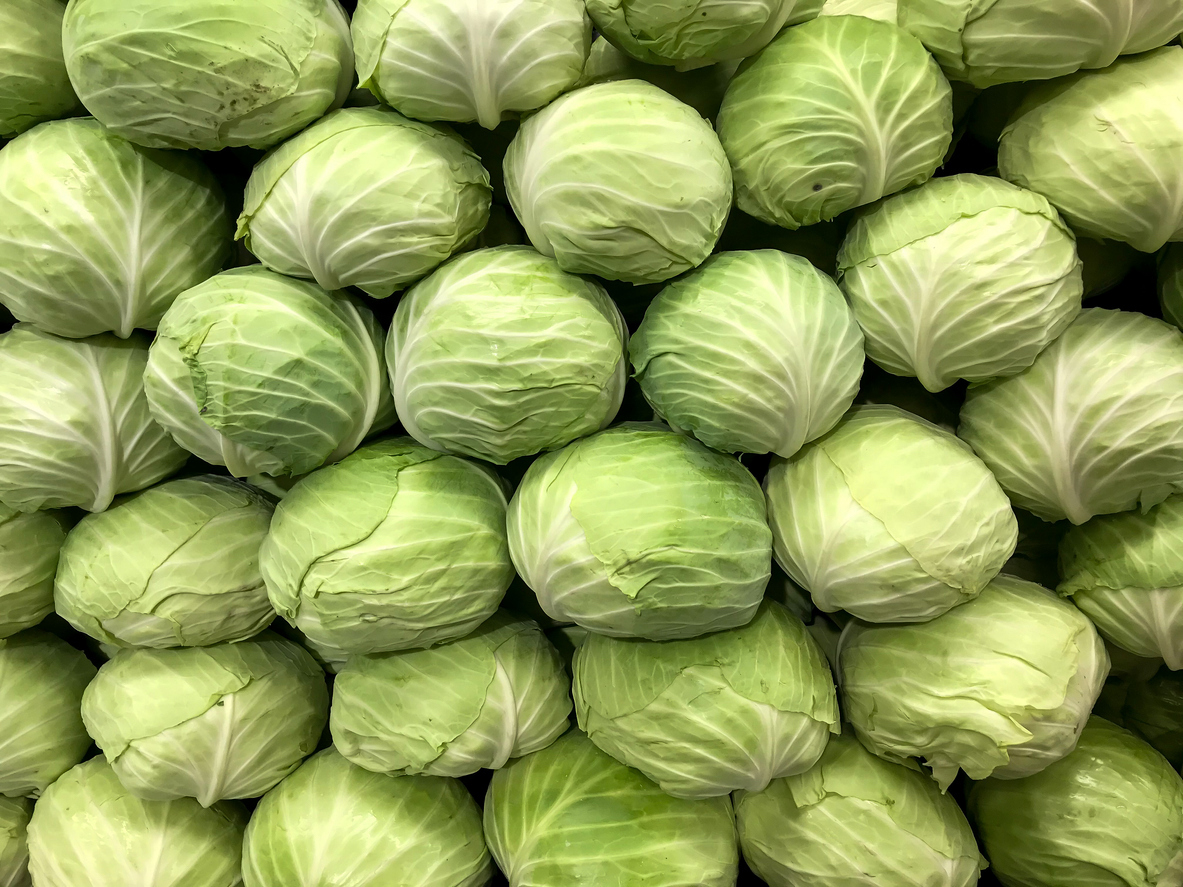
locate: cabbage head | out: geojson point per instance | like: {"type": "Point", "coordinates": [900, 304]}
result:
{"type": "Point", "coordinates": [859, 821]}
{"type": "Point", "coordinates": [366, 198]}
{"type": "Point", "coordinates": [89, 831]}
{"type": "Point", "coordinates": [571, 814]}
{"type": "Point", "coordinates": [1153, 710]}
{"type": "Point", "coordinates": [1006, 41]}
{"type": "Point", "coordinates": [34, 85]}
{"type": "Point", "coordinates": [266, 374]}
{"type": "Point", "coordinates": [815, 124]}
{"type": "Point", "coordinates": [208, 74]}
{"type": "Point", "coordinates": [473, 60]}
{"type": "Point", "coordinates": [703, 717]}
{"type": "Point", "coordinates": [1170, 284]}
{"type": "Point", "coordinates": [888, 517]}
{"type": "Point", "coordinates": [1093, 426]}
{"type": "Point", "coordinates": [965, 277]}
{"type": "Point", "coordinates": [227, 721]}
{"type": "Point", "coordinates": [331, 822]}
{"type": "Point", "coordinates": [501, 353]}
{"type": "Point", "coordinates": [692, 33]}
{"type": "Point", "coordinates": [1110, 813]}
{"type": "Point", "coordinates": [397, 547]}
{"type": "Point", "coordinates": [999, 686]}
{"type": "Point", "coordinates": [620, 180]}
{"type": "Point", "coordinates": [98, 234]}
{"type": "Point", "coordinates": [641, 532]}
{"type": "Point", "coordinates": [14, 844]}
{"type": "Point", "coordinates": [754, 351]}
{"type": "Point", "coordinates": [75, 428]}
{"type": "Point", "coordinates": [41, 683]}
{"type": "Point", "coordinates": [1126, 572]}
{"type": "Point", "coordinates": [1103, 147]}
{"type": "Point", "coordinates": [29, 547]}
{"type": "Point", "coordinates": [176, 565]}
{"type": "Point", "coordinates": [499, 693]}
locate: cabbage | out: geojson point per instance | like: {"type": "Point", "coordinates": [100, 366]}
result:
{"type": "Point", "coordinates": [29, 547]}
{"type": "Point", "coordinates": [999, 686]}
{"type": "Point", "coordinates": [1094, 426]}
{"type": "Point", "coordinates": [227, 721]}
{"type": "Point", "coordinates": [965, 277]}
{"type": "Point", "coordinates": [364, 198]}
{"type": "Point", "coordinates": [755, 351]}
{"type": "Point", "coordinates": [174, 566]}
{"type": "Point", "coordinates": [620, 180]}
{"type": "Point", "coordinates": [641, 532]}
{"type": "Point", "coordinates": [501, 353]}
{"type": "Point", "coordinates": [883, 10]}
{"type": "Point", "coordinates": [33, 81]}
{"type": "Point", "coordinates": [14, 844]}
{"type": "Point", "coordinates": [1153, 710]}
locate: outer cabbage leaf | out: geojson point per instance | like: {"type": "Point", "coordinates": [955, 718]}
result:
{"type": "Point", "coordinates": [266, 374]}
{"type": "Point", "coordinates": [571, 813]}
{"type": "Point", "coordinates": [754, 351]}
{"type": "Point", "coordinates": [174, 566]}
{"type": "Point", "coordinates": [75, 428]}
{"type": "Point", "coordinates": [34, 85]}
{"type": "Point", "coordinates": [227, 721]}
{"type": "Point", "coordinates": [620, 180]}
{"type": "Point", "coordinates": [501, 353]}
{"type": "Point", "coordinates": [859, 821]}
{"type": "Point", "coordinates": [479, 60]}
{"type": "Point", "coordinates": [831, 115]}
{"type": "Point", "coordinates": [1170, 284]}
{"type": "Point", "coordinates": [999, 686]}
{"type": "Point", "coordinates": [965, 277]}
{"type": "Point", "coordinates": [331, 822]}
{"type": "Point", "coordinates": [1093, 426]}
{"type": "Point", "coordinates": [29, 547]}
{"type": "Point", "coordinates": [703, 717]}
{"type": "Point", "coordinates": [1153, 710]}
{"type": "Point", "coordinates": [14, 844]}
{"type": "Point", "coordinates": [883, 10]}
{"type": "Point", "coordinates": [1110, 814]}
{"type": "Point", "coordinates": [397, 547]}
{"type": "Point", "coordinates": [208, 74]}
{"type": "Point", "coordinates": [641, 532]}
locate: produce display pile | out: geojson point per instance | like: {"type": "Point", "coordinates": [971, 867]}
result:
{"type": "Point", "coordinates": [591, 443]}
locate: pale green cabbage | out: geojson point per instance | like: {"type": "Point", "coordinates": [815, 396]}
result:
{"type": "Point", "coordinates": [754, 351]}
{"type": "Point", "coordinates": [999, 686]}
{"type": "Point", "coordinates": [641, 532]}
{"type": "Point", "coordinates": [1094, 426]}
{"type": "Point", "coordinates": [226, 721]}
{"type": "Point", "coordinates": [883, 10]}
{"type": "Point", "coordinates": [173, 566]}
{"type": "Point", "coordinates": [965, 277]}
{"type": "Point", "coordinates": [29, 547]}
{"type": "Point", "coordinates": [14, 844]}
{"type": "Point", "coordinates": [34, 85]}
{"type": "Point", "coordinates": [620, 180]}
{"type": "Point", "coordinates": [501, 353]}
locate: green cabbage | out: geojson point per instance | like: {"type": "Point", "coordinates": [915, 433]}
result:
{"type": "Point", "coordinates": [1153, 710]}
{"type": "Point", "coordinates": [33, 81]}
{"type": "Point", "coordinates": [29, 547]}
{"type": "Point", "coordinates": [14, 844]}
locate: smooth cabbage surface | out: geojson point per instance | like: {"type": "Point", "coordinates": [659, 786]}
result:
{"type": "Point", "coordinates": [34, 85]}
{"type": "Point", "coordinates": [29, 548]}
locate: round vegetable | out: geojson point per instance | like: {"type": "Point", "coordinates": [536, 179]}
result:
{"type": "Point", "coordinates": [14, 844]}
{"type": "Point", "coordinates": [89, 831]}
{"type": "Point", "coordinates": [888, 517]}
{"type": "Point", "coordinates": [703, 717]}
{"type": "Point", "coordinates": [266, 374]}
{"type": "Point", "coordinates": [394, 548]}
{"type": "Point", "coordinates": [480, 60]}
{"type": "Point", "coordinates": [853, 820]}
{"type": "Point", "coordinates": [1101, 146]}
{"type": "Point", "coordinates": [41, 683]}
{"type": "Point", "coordinates": [499, 693]}
{"type": "Point", "coordinates": [501, 353]}
{"type": "Point", "coordinates": [1170, 283]}
{"type": "Point", "coordinates": [965, 277]}
{"type": "Point", "coordinates": [570, 813]}
{"type": "Point", "coordinates": [1111, 812]}
{"type": "Point", "coordinates": [815, 125]}
{"type": "Point", "coordinates": [33, 81]}
{"type": "Point", "coordinates": [174, 566]}
{"type": "Point", "coordinates": [234, 74]}
{"type": "Point", "coordinates": [366, 198]}
{"type": "Point", "coordinates": [1001, 685]}
{"type": "Point", "coordinates": [29, 548]}
{"type": "Point", "coordinates": [379, 830]}
{"type": "Point", "coordinates": [75, 428]}
{"type": "Point", "coordinates": [1094, 426]}
{"type": "Point", "coordinates": [753, 352]}
{"type": "Point", "coordinates": [1153, 710]}
{"type": "Point", "coordinates": [620, 180]}
{"type": "Point", "coordinates": [641, 532]}
{"type": "Point", "coordinates": [227, 721]}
